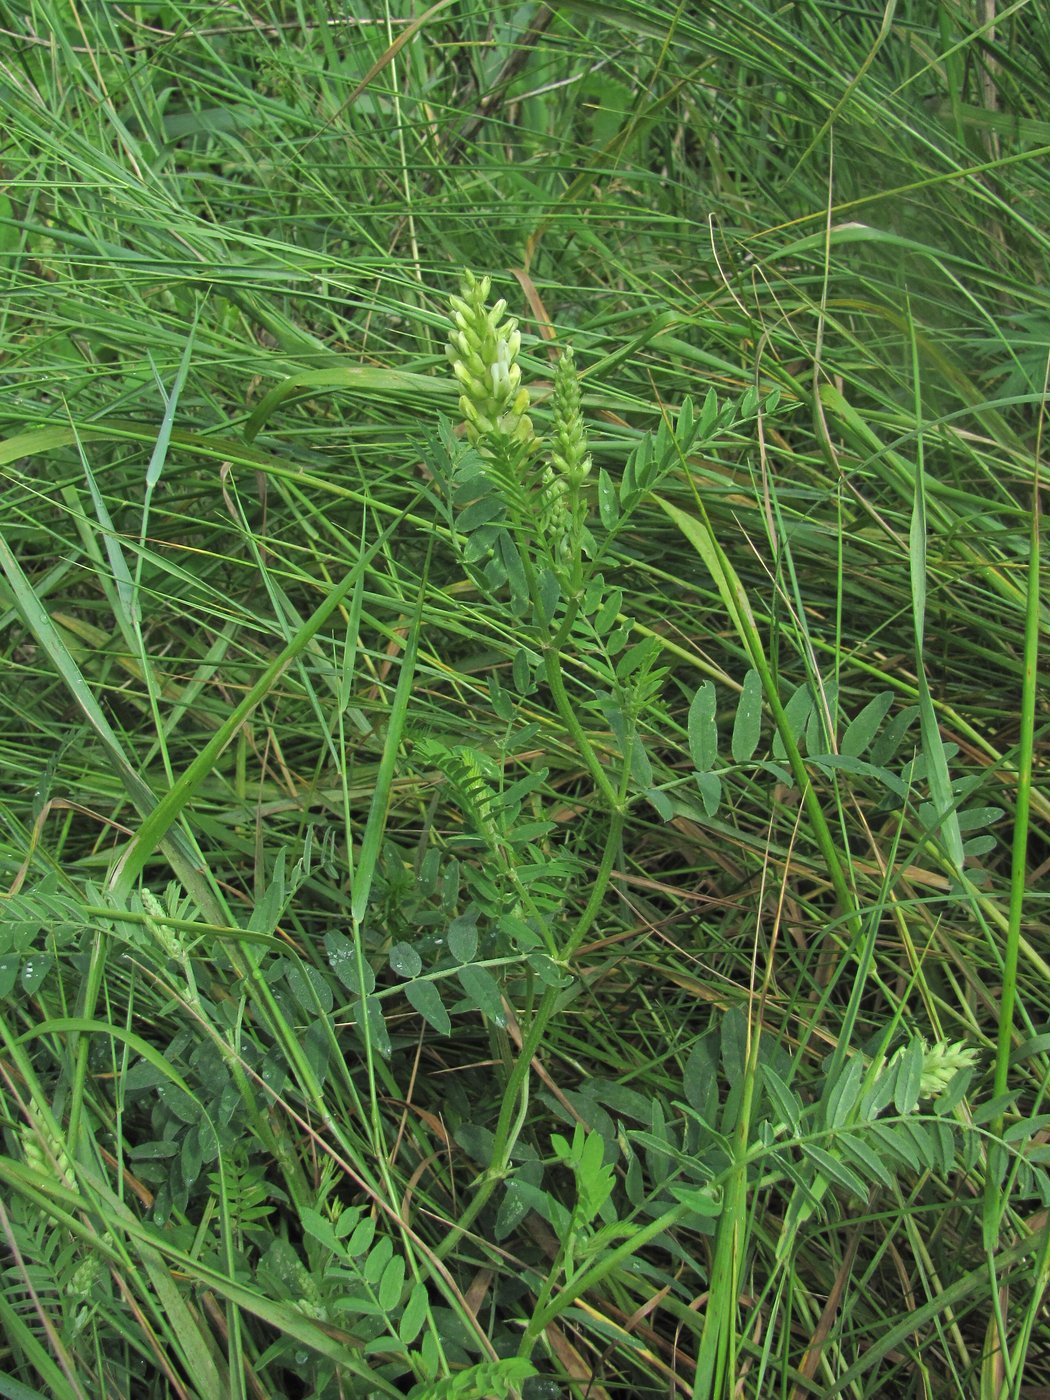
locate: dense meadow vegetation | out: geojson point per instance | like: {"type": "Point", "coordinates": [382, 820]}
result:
{"type": "Point", "coordinates": [524, 828]}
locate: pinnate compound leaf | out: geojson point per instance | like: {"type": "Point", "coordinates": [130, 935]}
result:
{"type": "Point", "coordinates": [847, 763]}
{"type": "Point", "coordinates": [488, 1380]}
{"type": "Point", "coordinates": [864, 1157]}
{"type": "Point", "coordinates": [641, 768]}
{"type": "Point", "coordinates": [310, 987]}
{"type": "Point", "coordinates": [683, 429]}
{"type": "Point", "coordinates": [893, 1143]}
{"type": "Point", "coordinates": [784, 1099]}
{"type": "Point", "coordinates": [376, 1027]}
{"type": "Point", "coordinates": [374, 1267]}
{"type": "Point", "coordinates": [348, 1222]}
{"type": "Point", "coordinates": [820, 726]}
{"type": "Point", "coordinates": [977, 818]}
{"type": "Point", "coordinates": [889, 741]}
{"type": "Point", "coordinates": [321, 1228]}
{"type": "Point", "coordinates": [710, 785]}
{"type": "Point", "coordinates": [920, 1136]}
{"type": "Point", "coordinates": [735, 1038]}
{"type": "Point", "coordinates": [414, 1315]}
{"type": "Point", "coordinates": [700, 1081]}
{"type": "Point", "coordinates": [425, 998]}
{"type": "Point", "coordinates": [1026, 1128]}
{"type": "Point", "coordinates": [837, 1172]}
{"type": "Point", "coordinates": [702, 1201]}
{"type": "Point", "coordinates": [342, 959]}
{"type": "Point", "coordinates": [843, 1093]}
{"type": "Point", "coordinates": [702, 730]}
{"type": "Point", "coordinates": [609, 611]}
{"type": "Point", "coordinates": [463, 938]}
{"type": "Point", "coordinates": [943, 1139]}
{"type": "Point", "coordinates": [483, 993]}
{"type": "Point", "coordinates": [34, 969]}
{"type": "Point", "coordinates": [747, 726]}
{"type": "Point", "coordinates": [862, 729]}
{"type": "Point", "coordinates": [361, 1239]}
{"type": "Point", "coordinates": [512, 1211]}
{"type": "Point", "coordinates": [267, 912]}
{"type": "Point", "coordinates": [391, 1284]}
{"type": "Point", "coordinates": [405, 961]}
{"type": "Point", "coordinates": [608, 504]}
{"type": "Point", "coordinates": [708, 415]}
{"type": "Point", "coordinates": [908, 1085]}
{"type": "Point", "coordinates": [796, 714]}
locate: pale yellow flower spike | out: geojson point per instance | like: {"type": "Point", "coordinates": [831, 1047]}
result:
{"type": "Point", "coordinates": [483, 354]}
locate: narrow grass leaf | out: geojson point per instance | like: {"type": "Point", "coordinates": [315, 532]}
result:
{"type": "Point", "coordinates": [183, 858]}
{"type": "Point", "coordinates": [932, 742]}
{"type": "Point", "coordinates": [368, 381]}
{"type": "Point", "coordinates": [364, 872]}
{"type": "Point", "coordinates": [155, 827]}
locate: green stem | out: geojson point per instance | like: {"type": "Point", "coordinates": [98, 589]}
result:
{"type": "Point", "coordinates": [600, 886]}
{"type": "Point", "coordinates": [506, 1130]}
{"type": "Point", "coordinates": [586, 1278]}
{"type": "Point", "coordinates": [515, 1098]}
{"type": "Point", "coordinates": [715, 1366]}
{"type": "Point", "coordinates": [1019, 855]}
{"type": "Point", "coordinates": [552, 666]}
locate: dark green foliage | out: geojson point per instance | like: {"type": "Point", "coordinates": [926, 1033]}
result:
{"type": "Point", "coordinates": [473, 926]}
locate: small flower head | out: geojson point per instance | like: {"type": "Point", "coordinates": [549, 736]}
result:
{"type": "Point", "coordinates": [483, 353]}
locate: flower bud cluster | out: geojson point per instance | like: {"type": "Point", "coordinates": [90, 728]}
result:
{"type": "Point", "coordinates": [556, 512]}
{"type": "Point", "coordinates": [569, 453]}
{"type": "Point", "coordinates": [563, 512]}
{"type": "Point", "coordinates": [941, 1063]}
{"type": "Point", "coordinates": [484, 357]}
{"type": "Point", "coordinates": [168, 939]}
{"type": "Point", "coordinates": [44, 1153]}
